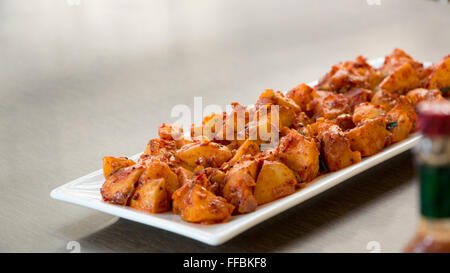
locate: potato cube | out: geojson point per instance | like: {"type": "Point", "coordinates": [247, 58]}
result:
{"type": "Point", "coordinates": [204, 153]}
{"type": "Point", "coordinates": [275, 180]}
{"type": "Point", "coordinates": [112, 164]}
{"type": "Point", "coordinates": [401, 121]}
{"type": "Point", "coordinates": [249, 147]}
{"type": "Point", "coordinates": [194, 203]}
{"type": "Point", "coordinates": [156, 170]}
{"type": "Point", "coordinates": [367, 111]}
{"type": "Point", "coordinates": [120, 185]}
{"type": "Point", "coordinates": [151, 196]}
{"type": "Point", "coordinates": [301, 95]}
{"type": "Point", "coordinates": [401, 80]}
{"type": "Point", "coordinates": [369, 137]}
{"type": "Point", "coordinates": [239, 185]}
{"type": "Point", "coordinates": [336, 147]}
{"type": "Point", "coordinates": [300, 154]}
{"type": "Point", "coordinates": [440, 75]}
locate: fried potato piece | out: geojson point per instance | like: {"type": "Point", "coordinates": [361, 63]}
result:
{"type": "Point", "coordinates": [369, 137]}
{"type": "Point", "coordinates": [440, 75]}
{"type": "Point", "coordinates": [386, 99]}
{"type": "Point", "coordinates": [200, 178]}
{"type": "Point", "coordinates": [261, 128]}
{"type": "Point", "coordinates": [301, 120]}
{"type": "Point", "coordinates": [401, 120]}
{"type": "Point", "coordinates": [287, 117]}
{"type": "Point", "coordinates": [249, 147]}
{"type": "Point", "coordinates": [214, 118]}
{"type": "Point", "coordinates": [328, 105]}
{"type": "Point", "coordinates": [204, 153]}
{"type": "Point", "coordinates": [234, 122]}
{"type": "Point", "coordinates": [401, 80]}
{"type": "Point", "coordinates": [420, 94]}
{"type": "Point", "coordinates": [345, 76]}
{"type": "Point", "coordinates": [301, 95]}
{"type": "Point", "coordinates": [367, 111]}
{"type": "Point", "coordinates": [217, 180]}
{"type": "Point", "coordinates": [275, 180]}
{"type": "Point", "coordinates": [184, 175]}
{"type": "Point", "coordinates": [312, 130]}
{"type": "Point", "coordinates": [151, 196]}
{"type": "Point", "coordinates": [271, 97]}
{"type": "Point", "coordinates": [300, 154]}
{"type": "Point", "coordinates": [239, 185]}
{"type": "Point", "coordinates": [201, 131]}
{"type": "Point", "coordinates": [357, 96]}
{"type": "Point", "coordinates": [158, 148]}
{"type": "Point", "coordinates": [156, 170]}
{"type": "Point", "coordinates": [336, 148]}
{"type": "Point", "coordinates": [172, 132]}
{"type": "Point", "coordinates": [269, 154]}
{"type": "Point", "coordinates": [120, 185]}
{"type": "Point", "coordinates": [262, 120]}
{"type": "Point", "coordinates": [112, 164]}
{"type": "Point", "coordinates": [210, 126]}
{"type": "Point", "coordinates": [195, 204]}
{"type": "Point", "coordinates": [396, 59]}
{"type": "Point", "coordinates": [345, 122]}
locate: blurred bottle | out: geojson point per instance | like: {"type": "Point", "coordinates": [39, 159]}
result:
{"type": "Point", "coordinates": [433, 160]}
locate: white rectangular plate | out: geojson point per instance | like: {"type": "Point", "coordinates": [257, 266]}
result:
{"type": "Point", "coordinates": [85, 191]}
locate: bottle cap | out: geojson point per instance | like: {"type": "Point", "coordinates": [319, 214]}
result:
{"type": "Point", "coordinates": [434, 118]}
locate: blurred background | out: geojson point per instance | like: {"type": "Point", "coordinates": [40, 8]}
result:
{"type": "Point", "coordinates": [83, 79]}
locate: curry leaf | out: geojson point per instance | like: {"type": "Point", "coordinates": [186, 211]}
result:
{"type": "Point", "coordinates": [391, 125]}
{"type": "Point", "coordinates": [302, 133]}
{"type": "Point", "coordinates": [445, 89]}
{"type": "Point", "coordinates": [322, 164]}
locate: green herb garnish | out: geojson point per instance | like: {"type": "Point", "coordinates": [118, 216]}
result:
{"type": "Point", "coordinates": [322, 164]}
{"type": "Point", "coordinates": [445, 89]}
{"type": "Point", "coordinates": [302, 133]}
{"type": "Point", "coordinates": [391, 125]}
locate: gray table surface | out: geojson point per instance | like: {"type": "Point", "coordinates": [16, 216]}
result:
{"type": "Point", "coordinates": [83, 79]}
